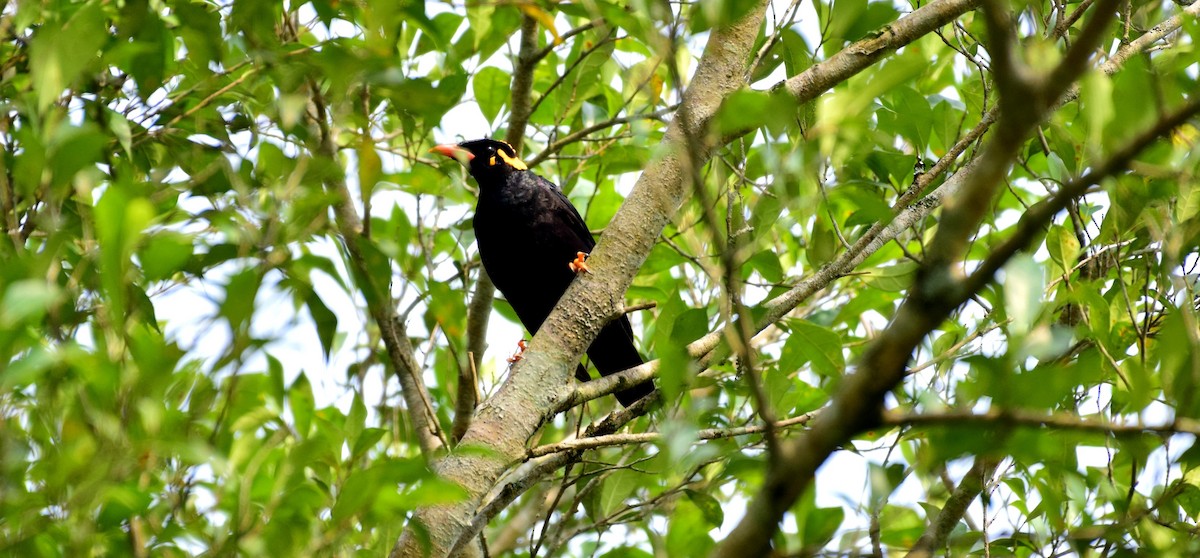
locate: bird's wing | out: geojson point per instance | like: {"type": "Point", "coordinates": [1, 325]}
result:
{"type": "Point", "coordinates": [570, 216]}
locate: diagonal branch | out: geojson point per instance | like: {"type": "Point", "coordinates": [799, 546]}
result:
{"type": "Point", "coordinates": [856, 57]}
{"type": "Point", "coordinates": [479, 311]}
{"type": "Point", "coordinates": [934, 537]}
{"type": "Point", "coordinates": [1031, 222]}
{"type": "Point", "coordinates": [504, 423]}
{"type": "Point", "coordinates": [858, 402]}
{"type": "Point", "coordinates": [378, 297]}
{"type": "Point", "coordinates": [589, 130]}
{"type": "Point", "coordinates": [907, 212]}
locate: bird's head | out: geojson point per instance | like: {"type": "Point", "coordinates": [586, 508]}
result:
{"type": "Point", "coordinates": [485, 157]}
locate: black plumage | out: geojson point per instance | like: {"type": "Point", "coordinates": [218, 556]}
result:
{"type": "Point", "coordinates": [528, 233]}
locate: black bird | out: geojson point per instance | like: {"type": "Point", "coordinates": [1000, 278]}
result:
{"type": "Point", "coordinates": [532, 241]}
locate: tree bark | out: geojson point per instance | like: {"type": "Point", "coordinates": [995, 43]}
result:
{"type": "Point", "coordinates": [502, 425]}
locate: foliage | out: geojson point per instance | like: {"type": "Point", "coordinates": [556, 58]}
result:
{"type": "Point", "coordinates": [184, 150]}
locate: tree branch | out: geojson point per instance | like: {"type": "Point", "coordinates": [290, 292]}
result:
{"type": "Point", "coordinates": [1035, 218]}
{"type": "Point", "coordinates": [378, 297]}
{"type": "Point", "coordinates": [934, 537]}
{"type": "Point", "coordinates": [589, 130]}
{"type": "Point", "coordinates": [503, 423]}
{"type": "Point", "coordinates": [479, 311]}
{"type": "Point", "coordinates": [522, 478]}
{"type": "Point", "coordinates": [1031, 419]}
{"type": "Point", "coordinates": [522, 85]}
{"type": "Point", "coordinates": [857, 404]}
{"type": "Point", "coordinates": [906, 214]}
{"type": "Point", "coordinates": [594, 442]}
{"type": "Point", "coordinates": [858, 56]}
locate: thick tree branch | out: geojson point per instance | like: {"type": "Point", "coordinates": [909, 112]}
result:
{"type": "Point", "coordinates": [504, 423]}
{"type": "Point", "coordinates": [520, 104]}
{"type": "Point", "coordinates": [479, 311]}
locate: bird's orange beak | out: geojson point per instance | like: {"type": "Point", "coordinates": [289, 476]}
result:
{"type": "Point", "coordinates": [454, 152]}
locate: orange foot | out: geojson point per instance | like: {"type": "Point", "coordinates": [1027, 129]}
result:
{"type": "Point", "coordinates": [520, 354]}
{"type": "Point", "coordinates": [579, 264]}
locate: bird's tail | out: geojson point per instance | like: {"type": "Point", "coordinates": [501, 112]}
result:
{"type": "Point", "coordinates": [613, 351]}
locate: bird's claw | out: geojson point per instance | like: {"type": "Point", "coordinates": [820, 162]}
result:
{"type": "Point", "coordinates": [579, 264]}
{"type": "Point", "coordinates": [520, 354]}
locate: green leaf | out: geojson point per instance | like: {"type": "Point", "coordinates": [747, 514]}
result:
{"type": "Point", "coordinates": [766, 263]}
{"type": "Point", "coordinates": [615, 489]}
{"type": "Point", "coordinates": [708, 506]}
{"type": "Point", "coordinates": [823, 243]}
{"type": "Point", "coordinates": [815, 525]}
{"type": "Point", "coordinates": [165, 254]}
{"type": "Point", "coordinates": [27, 300]}
{"type": "Point", "coordinates": [914, 117]}
{"type": "Point", "coordinates": [356, 419]}
{"type": "Point", "coordinates": [301, 403]}
{"type": "Point", "coordinates": [120, 221]}
{"type": "Point", "coordinates": [747, 109]}
{"type": "Point", "coordinates": [1063, 247]}
{"type": "Point", "coordinates": [490, 85]}
{"type": "Point", "coordinates": [60, 52]}
{"type": "Point", "coordinates": [253, 420]}
{"type": "Point", "coordinates": [367, 440]}
{"type": "Point", "coordinates": [1096, 97]}
{"type": "Point", "coordinates": [355, 494]}
{"type": "Point", "coordinates": [240, 293]}
{"type": "Point", "coordinates": [74, 149]}
{"type": "Point", "coordinates": [687, 532]}
{"type": "Point", "coordinates": [1024, 282]}
{"type": "Point", "coordinates": [821, 525]}
{"type": "Point", "coordinates": [447, 309]}
{"type": "Point", "coordinates": [811, 343]}
{"type": "Point", "coordinates": [1176, 347]}
{"type": "Point", "coordinates": [202, 33]}
{"type": "Point", "coordinates": [893, 278]}
{"type": "Point", "coordinates": [689, 326]}
{"type": "Point", "coordinates": [434, 492]}
{"type": "Point", "coordinates": [325, 321]}
{"type": "Point", "coordinates": [121, 503]}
